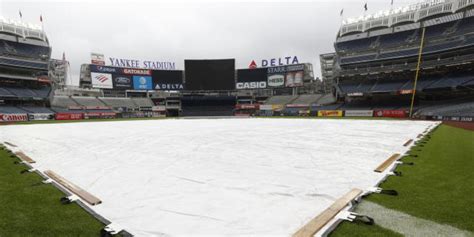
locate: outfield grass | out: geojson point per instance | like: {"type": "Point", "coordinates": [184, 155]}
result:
{"type": "Point", "coordinates": [30, 208]}
{"type": "Point", "coordinates": [438, 187]}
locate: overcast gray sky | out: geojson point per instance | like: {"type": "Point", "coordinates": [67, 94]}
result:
{"type": "Point", "coordinates": [183, 29]}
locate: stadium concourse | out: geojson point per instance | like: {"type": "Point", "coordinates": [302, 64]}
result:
{"type": "Point", "coordinates": [215, 176]}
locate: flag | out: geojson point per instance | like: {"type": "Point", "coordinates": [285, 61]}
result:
{"type": "Point", "coordinates": [41, 18]}
{"type": "Point", "coordinates": [365, 7]}
{"type": "Point", "coordinates": [64, 56]}
{"type": "Point", "coordinates": [342, 12]}
{"type": "Point", "coordinates": [19, 12]}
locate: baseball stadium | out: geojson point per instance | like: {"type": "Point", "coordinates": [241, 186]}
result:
{"type": "Point", "coordinates": [381, 145]}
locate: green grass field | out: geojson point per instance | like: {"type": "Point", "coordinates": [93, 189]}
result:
{"type": "Point", "coordinates": [438, 187]}
{"type": "Point", "coordinates": [30, 208]}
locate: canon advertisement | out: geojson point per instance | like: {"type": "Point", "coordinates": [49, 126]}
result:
{"type": "Point", "coordinates": [285, 76]}
{"type": "Point", "coordinates": [13, 117]}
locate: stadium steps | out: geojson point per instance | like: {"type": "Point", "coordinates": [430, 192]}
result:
{"type": "Point", "coordinates": [88, 101]}
{"type": "Point", "coordinates": [63, 102]}
{"type": "Point", "coordinates": [11, 110]}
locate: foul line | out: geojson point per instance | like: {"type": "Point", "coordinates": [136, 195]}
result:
{"type": "Point", "coordinates": [405, 224]}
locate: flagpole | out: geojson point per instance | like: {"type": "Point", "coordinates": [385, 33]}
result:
{"type": "Point", "coordinates": [21, 22]}
{"type": "Point", "coordinates": [42, 27]}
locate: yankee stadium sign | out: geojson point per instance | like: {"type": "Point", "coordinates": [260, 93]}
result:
{"type": "Point", "coordinates": [132, 63]}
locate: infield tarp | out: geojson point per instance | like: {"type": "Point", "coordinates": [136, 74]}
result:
{"type": "Point", "coordinates": [215, 177]}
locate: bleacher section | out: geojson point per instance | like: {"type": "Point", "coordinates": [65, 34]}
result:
{"type": "Point", "coordinates": [307, 99]}
{"type": "Point", "coordinates": [280, 99]}
{"type": "Point", "coordinates": [425, 83]}
{"type": "Point", "coordinates": [118, 102]}
{"type": "Point", "coordinates": [112, 102]}
{"type": "Point", "coordinates": [11, 110]}
{"type": "Point", "coordinates": [142, 102]}
{"type": "Point", "coordinates": [63, 102]}
{"type": "Point", "coordinates": [27, 51]}
{"type": "Point", "coordinates": [454, 108]}
{"type": "Point", "coordinates": [22, 92]}
{"type": "Point", "coordinates": [88, 101]}
{"type": "Point", "coordinates": [438, 38]}
{"type": "Point", "coordinates": [33, 109]}
{"type": "Point", "coordinates": [326, 99]}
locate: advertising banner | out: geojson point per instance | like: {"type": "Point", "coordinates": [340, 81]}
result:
{"type": "Point", "coordinates": [358, 113]}
{"type": "Point", "coordinates": [294, 79]}
{"type": "Point", "coordinates": [277, 80]}
{"type": "Point", "coordinates": [277, 107]}
{"type": "Point", "coordinates": [92, 115]}
{"type": "Point", "coordinates": [167, 80]}
{"type": "Point", "coordinates": [289, 76]}
{"type": "Point", "coordinates": [102, 80]}
{"type": "Point", "coordinates": [251, 85]}
{"type": "Point", "coordinates": [132, 71]}
{"type": "Point", "coordinates": [247, 106]}
{"type": "Point", "coordinates": [13, 117]}
{"type": "Point", "coordinates": [169, 86]}
{"type": "Point", "coordinates": [142, 83]}
{"type": "Point", "coordinates": [251, 79]}
{"type": "Point", "coordinates": [297, 105]}
{"type": "Point", "coordinates": [158, 108]}
{"type": "Point", "coordinates": [122, 82]}
{"type": "Point", "coordinates": [97, 59]}
{"type": "Point", "coordinates": [69, 116]}
{"type": "Point", "coordinates": [266, 107]}
{"type": "Point", "coordinates": [40, 116]}
{"type": "Point", "coordinates": [330, 113]}
{"type": "Point", "coordinates": [390, 113]}
{"type": "Point", "coordinates": [103, 69]}
{"type": "Point", "coordinates": [405, 92]}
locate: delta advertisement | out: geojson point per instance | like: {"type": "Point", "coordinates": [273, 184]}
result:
{"type": "Point", "coordinates": [285, 76]}
{"type": "Point", "coordinates": [104, 77]}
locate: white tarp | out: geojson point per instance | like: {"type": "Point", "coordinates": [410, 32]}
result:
{"type": "Point", "coordinates": [215, 177]}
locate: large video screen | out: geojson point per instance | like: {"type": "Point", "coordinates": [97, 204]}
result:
{"type": "Point", "coordinates": [210, 74]}
{"type": "Point", "coordinates": [167, 80]}
{"type": "Point", "coordinates": [251, 79]}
